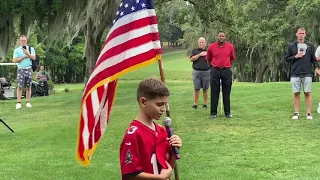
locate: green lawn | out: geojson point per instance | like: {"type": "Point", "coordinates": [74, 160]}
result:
{"type": "Point", "coordinates": [260, 142]}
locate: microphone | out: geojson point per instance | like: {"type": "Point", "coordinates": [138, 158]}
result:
{"type": "Point", "coordinates": [168, 124]}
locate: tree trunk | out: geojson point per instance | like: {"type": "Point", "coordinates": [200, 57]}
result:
{"type": "Point", "coordinates": [260, 73]}
{"type": "Point", "coordinates": [23, 26]}
{"type": "Point", "coordinates": [92, 49]}
{"type": "Point", "coordinates": [240, 74]}
{"type": "Point", "coordinates": [283, 76]}
{"type": "Point", "coordinates": [94, 30]}
{"type": "Point", "coordinates": [6, 35]}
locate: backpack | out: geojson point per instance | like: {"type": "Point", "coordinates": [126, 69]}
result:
{"type": "Point", "coordinates": [35, 63]}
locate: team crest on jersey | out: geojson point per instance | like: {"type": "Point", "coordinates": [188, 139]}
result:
{"type": "Point", "coordinates": [132, 129]}
{"type": "Point", "coordinates": [128, 157]}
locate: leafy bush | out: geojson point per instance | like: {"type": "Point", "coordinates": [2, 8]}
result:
{"type": "Point", "coordinates": [67, 90]}
{"type": "Point", "coordinates": [51, 88]}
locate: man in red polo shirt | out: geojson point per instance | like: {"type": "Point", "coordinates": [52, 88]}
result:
{"type": "Point", "coordinates": [220, 55]}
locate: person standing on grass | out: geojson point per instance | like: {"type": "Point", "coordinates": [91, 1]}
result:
{"type": "Point", "coordinates": [201, 72]}
{"type": "Point", "coordinates": [220, 55]}
{"type": "Point", "coordinates": [145, 151]}
{"type": "Point", "coordinates": [24, 58]}
{"type": "Point", "coordinates": [301, 56]}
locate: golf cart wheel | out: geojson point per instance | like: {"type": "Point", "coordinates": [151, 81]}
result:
{"type": "Point", "coordinates": [34, 94]}
{"type": "Point", "coordinates": [2, 97]}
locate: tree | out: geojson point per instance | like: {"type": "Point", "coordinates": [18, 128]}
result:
{"type": "Point", "coordinates": [91, 16]}
{"type": "Point", "coordinates": [260, 30]}
{"type": "Point", "coordinates": [170, 18]}
{"type": "Point", "coordinates": [63, 20]}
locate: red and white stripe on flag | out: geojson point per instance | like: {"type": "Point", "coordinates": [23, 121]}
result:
{"type": "Point", "coordinates": [132, 43]}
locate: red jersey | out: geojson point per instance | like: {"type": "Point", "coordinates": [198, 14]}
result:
{"type": "Point", "coordinates": [143, 150]}
{"type": "Point", "coordinates": [221, 56]}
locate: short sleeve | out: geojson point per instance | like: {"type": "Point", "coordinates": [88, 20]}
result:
{"type": "Point", "coordinates": [318, 52]}
{"type": "Point", "coordinates": [15, 54]}
{"type": "Point", "coordinates": [193, 53]}
{"type": "Point", "coordinates": [129, 156]}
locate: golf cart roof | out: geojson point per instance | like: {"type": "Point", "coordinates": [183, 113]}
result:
{"type": "Point", "coordinates": [8, 64]}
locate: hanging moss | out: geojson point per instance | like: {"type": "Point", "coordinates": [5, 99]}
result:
{"type": "Point", "coordinates": [73, 16]}
{"type": "Point", "coordinates": [6, 35]}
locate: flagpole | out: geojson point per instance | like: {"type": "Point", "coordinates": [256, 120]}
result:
{"type": "Point", "coordinates": [176, 174]}
{"type": "Point", "coordinates": [221, 99]}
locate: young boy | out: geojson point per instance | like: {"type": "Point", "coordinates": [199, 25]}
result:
{"type": "Point", "coordinates": [145, 152]}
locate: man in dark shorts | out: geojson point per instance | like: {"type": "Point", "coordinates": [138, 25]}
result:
{"type": "Point", "coordinates": [200, 73]}
{"type": "Point", "coordinates": [24, 58]}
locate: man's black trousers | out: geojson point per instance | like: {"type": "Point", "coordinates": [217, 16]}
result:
{"type": "Point", "coordinates": [225, 75]}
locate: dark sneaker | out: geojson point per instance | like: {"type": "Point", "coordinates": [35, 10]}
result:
{"type": "Point", "coordinates": [204, 106]}
{"type": "Point", "coordinates": [194, 107]}
{"type": "Point", "coordinates": [229, 115]}
{"type": "Point", "coordinates": [213, 116]}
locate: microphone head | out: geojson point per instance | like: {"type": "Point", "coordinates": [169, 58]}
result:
{"type": "Point", "coordinates": [167, 121]}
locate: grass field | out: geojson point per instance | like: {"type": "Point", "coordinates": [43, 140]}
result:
{"type": "Point", "coordinates": [260, 142]}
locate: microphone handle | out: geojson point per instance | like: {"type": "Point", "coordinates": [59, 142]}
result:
{"type": "Point", "coordinates": [175, 150]}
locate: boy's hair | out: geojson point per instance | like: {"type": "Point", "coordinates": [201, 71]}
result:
{"type": "Point", "coordinates": [151, 88]}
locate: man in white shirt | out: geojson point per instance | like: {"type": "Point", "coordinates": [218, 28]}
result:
{"type": "Point", "coordinates": [318, 53]}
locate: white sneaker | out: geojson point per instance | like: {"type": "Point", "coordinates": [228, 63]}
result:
{"type": "Point", "coordinates": [309, 116]}
{"type": "Point", "coordinates": [18, 106]}
{"type": "Point", "coordinates": [318, 110]}
{"type": "Point", "coordinates": [28, 105]}
{"type": "Point", "coordinates": [295, 116]}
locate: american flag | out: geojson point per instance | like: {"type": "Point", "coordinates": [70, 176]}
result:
{"type": "Point", "coordinates": [132, 43]}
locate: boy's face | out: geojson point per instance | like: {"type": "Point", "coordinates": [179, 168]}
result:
{"type": "Point", "coordinates": [154, 108]}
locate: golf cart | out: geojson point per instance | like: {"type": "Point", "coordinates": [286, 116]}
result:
{"type": "Point", "coordinates": [6, 90]}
